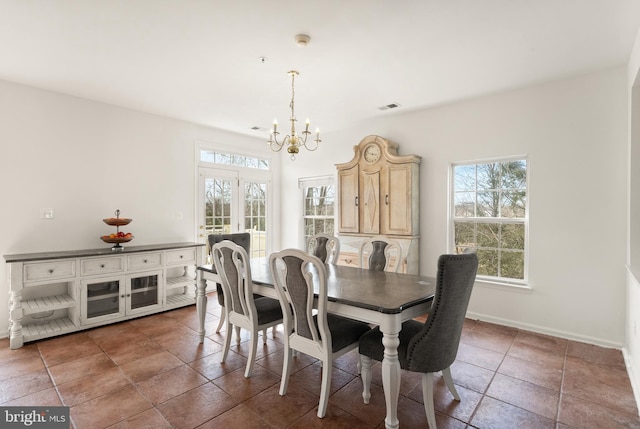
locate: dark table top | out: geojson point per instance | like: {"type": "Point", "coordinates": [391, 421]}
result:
{"type": "Point", "coordinates": [382, 291]}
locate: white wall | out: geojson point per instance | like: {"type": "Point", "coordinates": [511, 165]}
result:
{"type": "Point", "coordinates": [574, 132]}
{"type": "Point", "coordinates": [85, 160]}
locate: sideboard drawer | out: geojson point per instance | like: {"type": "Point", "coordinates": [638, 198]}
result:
{"type": "Point", "coordinates": [90, 267]}
{"type": "Point", "coordinates": [49, 270]}
{"type": "Point", "coordinates": [349, 259]}
{"type": "Point", "coordinates": [181, 256]}
{"type": "Point", "coordinates": [144, 260]}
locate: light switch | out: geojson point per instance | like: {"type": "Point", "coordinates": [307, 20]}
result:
{"type": "Point", "coordinates": [46, 213]}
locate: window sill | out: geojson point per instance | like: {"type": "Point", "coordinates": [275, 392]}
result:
{"type": "Point", "coordinates": [513, 287]}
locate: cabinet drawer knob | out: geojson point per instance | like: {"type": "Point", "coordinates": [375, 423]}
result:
{"type": "Point", "coordinates": [386, 199]}
{"type": "Point", "coordinates": [101, 265]}
{"type": "Point", "coordinates": [348, 261]}
{"type": "Point", "coordinates": [356, 201]}
{"type": "Point", "coordinates": [50, 270]}
{"type": "Point", "coordinates": [145, 261]}
{"type": "Point", "coordinates": [181, 256]}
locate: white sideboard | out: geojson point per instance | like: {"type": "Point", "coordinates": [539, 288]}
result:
{"type": "Point", "coordinates": [55, 293]}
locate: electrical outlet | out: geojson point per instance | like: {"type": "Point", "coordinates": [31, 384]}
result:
{"type": "Point", "coordinates": [46, 213]}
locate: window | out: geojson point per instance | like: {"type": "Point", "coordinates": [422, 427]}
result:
{"type": "Point", "coordinates": [319, 199]}
{"type": "Point", "coordinates": [490, 216]}
{"type": "Point", "coordinates": [215, 157]}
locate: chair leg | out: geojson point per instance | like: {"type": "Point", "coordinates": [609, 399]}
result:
{"type": "Point", "coordinates": [427, 397]}
{"type": "Point", "coordinates": [446, 373]}
{"type": "Point", "coordinates": [326, 387]}
{"type": "Point", "coordinates": [365, 373]}
{"type": "Point", "coordinates": [238, 335]}
{"type": "Point", "coordinates": [252, 354]}
{"type": "Point", "coordinates": [286, 370]}
{"type": "Point", "coordinates": [222, 317]}
{"type": "Point", "coordinates": [264, 336]}
{"type": "Point", "coordinates": [227, 341]}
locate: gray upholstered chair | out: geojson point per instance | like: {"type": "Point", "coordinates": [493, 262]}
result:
{"type": "Point", "coordinates": [322, 336]}
{"type": "Point", "coordinates": [242, 309]}
{"type": "Point", "coordinates": [324, 246]}
{"type": "Point", "coordinates": [241, 238]}
{"type": "Point", "coordinates": [382, 254]}
{"type": "Point", "coordinates": [432, 346]}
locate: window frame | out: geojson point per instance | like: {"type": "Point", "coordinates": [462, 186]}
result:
{"type": "Point", "coordinates": [451, 219]}
{"type": "Point", "coordinates": [315, 182]}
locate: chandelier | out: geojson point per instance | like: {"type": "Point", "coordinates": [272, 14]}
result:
{"type": "Point", "coordinates": [292, 141]}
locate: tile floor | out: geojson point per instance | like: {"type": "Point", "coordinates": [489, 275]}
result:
{"type": "Point", "coordinates": [153, 373]}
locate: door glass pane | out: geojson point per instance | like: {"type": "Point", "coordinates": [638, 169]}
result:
{"type": "Point", "coordinates": [144, 291]}
{"type": "Point", "coordinates": [103, 298]}
{"type": "Point", "coordinates": [255, 217]}
{"type": "Point", "coordinates": [217, 205]}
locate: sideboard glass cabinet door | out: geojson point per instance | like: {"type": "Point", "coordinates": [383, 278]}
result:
{"type": "Point", "coordinates": [101, 299]}
{"type": "Point", "coordinates": [143, 292]}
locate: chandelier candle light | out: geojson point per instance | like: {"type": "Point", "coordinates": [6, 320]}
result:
{"type": "Point", "coordinates": [293, 141]}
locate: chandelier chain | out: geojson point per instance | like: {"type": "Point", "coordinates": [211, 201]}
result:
{"type": "Point", "coordinates": [293, 97]}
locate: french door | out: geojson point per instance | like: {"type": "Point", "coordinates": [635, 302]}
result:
{"type": "Point", "coordinates": [230, 201]}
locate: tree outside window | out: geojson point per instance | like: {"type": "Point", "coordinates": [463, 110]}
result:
{"type": "Point", "coordinates": [489, 216]}
{"type": "Point", "coordinates": [318, 210]}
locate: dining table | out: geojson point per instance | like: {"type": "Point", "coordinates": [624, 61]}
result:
{"type": "Point", "coordinates": [381, 298]}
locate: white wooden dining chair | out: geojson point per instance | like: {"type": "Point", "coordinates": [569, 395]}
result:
{"type": "Point", "coordinates": [311, 329]}
{"type": "Point", "coordinates": [242, 309]}
{"type": "Point", "coordinates": [241, 238]}
{"type": "Point", "coordinates": [381, 253]}
{"type": "Point", "coordinates": [324, 246]}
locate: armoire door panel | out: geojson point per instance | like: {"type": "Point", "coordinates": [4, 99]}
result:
{"type": "Point", "coordinates": [397, 200]}
{"type": "Point", "coordinates": [348, 217]}
{"type": "Point", "coordinates": [371, 202]}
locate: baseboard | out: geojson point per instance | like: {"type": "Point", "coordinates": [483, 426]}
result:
{"type": "Point", "coordinates": [546, 331]}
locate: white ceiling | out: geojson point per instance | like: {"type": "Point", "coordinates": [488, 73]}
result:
{"type": "Point", "coordinates": [199, 60]}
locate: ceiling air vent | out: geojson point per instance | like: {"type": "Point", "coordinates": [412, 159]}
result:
{"type": "Point", "coordinates": [389, 106]}
{"type": "Point", "coordinates": [257, 128]}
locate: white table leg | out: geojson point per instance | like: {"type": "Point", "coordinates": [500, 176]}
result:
{"type": "Point", "coordinates": [201, 302]}
{"type": "Point", "coordinates": [391, 378]}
